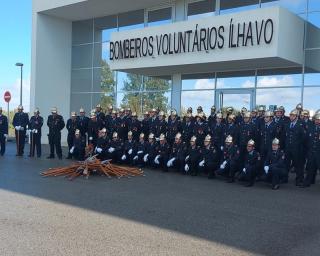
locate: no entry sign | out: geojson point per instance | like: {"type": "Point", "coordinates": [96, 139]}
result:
{"type": "Point", "coordinates": [7, 96]}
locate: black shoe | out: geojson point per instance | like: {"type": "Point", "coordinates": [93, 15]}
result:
{"type": "Point", "coordinates": [299, 183]}
{"type": "Point", "coordinates": [50, 157]}
{"type": "Point", "coordinates": [250, 184]}
{"type": "Point", "coordinates": [230, 180]}
{"type": "Point", "coordinates": [211, 177]}
{"type": "Point", "coordinates": [275, 187]}
{"type": "Point", "coordinates": [60, 157]}
{"type": "Point", "coordinates": [68, 157]}
{"type": "Point", "coordinates": [304, 186]}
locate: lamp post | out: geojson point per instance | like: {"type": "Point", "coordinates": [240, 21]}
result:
{"type": "Point", "coordinates": [21, 67]}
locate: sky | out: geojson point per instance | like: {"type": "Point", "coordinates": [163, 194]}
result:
{"type": "Point", "coordinates": [15, 46]}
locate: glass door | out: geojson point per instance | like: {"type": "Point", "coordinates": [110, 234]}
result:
{"type": "Point", "coordinates": [236, 98]}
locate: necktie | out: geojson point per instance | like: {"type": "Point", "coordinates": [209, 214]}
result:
{"type": "Point", "coordinates": [291, 126]}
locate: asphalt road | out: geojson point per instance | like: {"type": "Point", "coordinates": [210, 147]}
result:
{"type": "Point", "coordinates": [160, 214]}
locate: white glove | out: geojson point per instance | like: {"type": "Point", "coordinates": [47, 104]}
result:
{"type": "Point", "coordinates": [170, 162]}
{"type": "Point", "coordinates": [244, 170]}
{"type": "Point", "coordinates": [221, 148]}
{"type": "Point", "coordinates": [186, 167]}
{"type": "Point", "coordinates": [224, 163]}
{"type": "Point", "coordinates": [156, 160]}
{"type": "Point", "coordinates": [111, 150]}
{"type": "Point", "coordinates": [140, 152]}
{"type": "Point", "coordinates": [187, 158]}
{"type": "Point", "coordinates": [99, 150]}
{"type": "Point", "coordinates": [72, 150]}
{"type": "Point", "coordinates": [145, 158]}
{"type": "Point", "coordinates": [123, 157]}
{"type": "Point", "coordinates": [135, 158]}
{"type": "Point", "coordinates": [157, 139]}
{"type": "Point", "coordinates": [28, 132]}
{"type": "Point", "coordinates": [222, 166]}
{"type": "Point", "coordinates": [130, 151]}
{"type": "Point", "coordinates": [266, 169]}
{"type": "Point", "coordinates": [17, 128]}
{"type": "Point", "coordinates": [201, 164]}
{"type": "Point", "coordinates": [5, 135]}
{"type": "Point", "coordinates": [90, 138]}
{"type": "Point", "coordinates": [35, 130]}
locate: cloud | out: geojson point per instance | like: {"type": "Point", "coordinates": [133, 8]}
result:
{"type": "Point", "coordinates": [14, 89]}
{"type": "Point", "coordinates": [266, 81]}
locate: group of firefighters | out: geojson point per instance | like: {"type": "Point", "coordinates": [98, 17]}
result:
{"type": "Point", "coordinates": [248, 146]}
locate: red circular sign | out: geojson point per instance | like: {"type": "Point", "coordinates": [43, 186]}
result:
{"type": "Point", "coordinates": [7, 96]}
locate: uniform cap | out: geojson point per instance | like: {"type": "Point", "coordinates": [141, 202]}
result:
{"type": "Point", "coordinates": [261, 108]}
{"type": "Point", "coordinates": [305, 112]}
{"type": "Point", "coordinates": [189, 109]}
{"type": "Point", "coordinates": [229, 139]}
{"type": "Point", "coordinates": [317, 116]}
{"type": "Point", "coordinates": [299, 106]}
{"type": "Point", "coordinates": [268, 114]}
{"type": "Point", "coordinates": [162, 137]}
{"type": "Point", "coordinates": [141, 136]}
{"type": "Point", "coordinates": [151, 136]}
{"type": "Point", "coordinates": [229, 109]}
{"type": "Point", "coordinates": [128, 109]}
{"type": "Point", "coordinates": [275, 141]}
{"type": "Point", "coordinates": [54, 110]}
{"type": "Point", "coordinates": [20, 107]}
{"type": "Point", "coordinates": [207, 138]}
{"type": "Point", "coordinates": [115, 135]}
{"type": "Point", "coordinates": [243, 110]}
{"type": "Point", "coordinates": [77, 132]}
{"type": "Point", "coordinates": [219, 115]}
{"type": "Point", "coordinates": [130, 133]}
{"type": "Point", "coordinates": [146, 113]}
{"type": "Point", "coordinates": [247, 114]}
{"type": "Point", "coordinates": [173, 112]}
{"type": "Point", "coordinates": [254, 111]}
{"type": "Point", "coordinates": [36, 111]}
{"type": "Point", "coordinates": [73, 114]}
{"type": "Point", "coordinates": [153, 110]}
{"type": "Point", "coordinates": [121, 110]}
{"type": "Point", "coordinates": [104, 130]}
{"type": "Point", "coordinates": [98, 106]}
{"type": "Point", "coordinates": [251, 143]}
{"type": "Point", "coordinates": [294, 112]}
{"type": "Point", "coordinates": [232, 117]}
{"type": "Point", "coordinates": [193, 139]}
{"type": "Point", "coordinates": [110, 107]}
{"type": "Point", "coordinates": [81, 110]}
{"type": "Point", "coordinates": [93, 114]}
{"type": "Point", "coordinates": [178, 135]}
{"type": "Point", "coordinates": [199, 108]}
{"type": "Point", "coordinates": [213, 108]}
{"type": "Point", "coordinates": [161, 113]}
{"type": "Point", "coordinates": [114, 112]}
{"type": "Point", "coordinates": [281, 108]}
{"type": "Point", "coordinates": [134, 114]}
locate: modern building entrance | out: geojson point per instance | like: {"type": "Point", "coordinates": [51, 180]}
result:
{"type": "Point", "coordinates": [236, 98]}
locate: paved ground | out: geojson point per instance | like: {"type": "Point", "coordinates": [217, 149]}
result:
{"type": "Point", "coordinates": [160, 214]}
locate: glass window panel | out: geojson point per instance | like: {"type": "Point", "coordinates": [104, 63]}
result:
{"type": "Point", "coordinates": [311, 99]}
{"type": "Point", "coordinates": [104, 99]}
{"type": "Point", "coordinates": [82, 32]}
{"type": "Point", "coordinates": [130, 27]}
{"type": "Point", "coordinates": [198, 84]}
{"type": "Point", "coordinates": [235, 82]}
{"type": "Point", "coordinates": [280, 80]}
{"type": "Point", "coordinates": [313, 59]}
{"type": "Point", "coordinates": [314, 18]}
{"type": "Point", "coordinates": [312, 79]}
{"type": "Point", "coordinates": [97, 54]}
{"type": "Point", "coordinates": [287, 97]}
{"type": "Point", "coordinates": [104, 79]}
{"type": "Point", "coordinates": [106, 51]}
{"type": "Point", "coordinates": [129, 82]}
{"type": "Point", "coordinates": [81, 80]}
{"type": "Point", "coordinates": [82, 56]}
{"type": "Point", "coordinates": [158, 23]}
{"type": "Point", "coordinates": [227, 6]}
{"type": "Point", "coordinates": [197, 98]}
{"type": "Point", "coordinates": [237, 101]}
{"type": "Point", "coordinates": [314, 5]}
{"type": "Point", "coordinates": [160, 15]}
{"type": "Point", "coordinates": [154, 84]}
{"type": "Point", "coordinates": [201, 8]}
{"type": "Point", "coordinates": [131, 18]}
{"type": "Point", "coordinates": [81, 100]}
{"type": "Point", "coordinates": [296, 6]}
{"type": "Point", "coordinates": [104, 27]}
{"type": "Point", "coordinates": [313, 34]}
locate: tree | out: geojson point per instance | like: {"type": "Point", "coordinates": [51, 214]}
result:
{"type": "Point", "coordinates": [108, 84]}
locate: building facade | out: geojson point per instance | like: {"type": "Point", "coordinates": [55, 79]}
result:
{"type": "Point", "coordinates": [175, 54]}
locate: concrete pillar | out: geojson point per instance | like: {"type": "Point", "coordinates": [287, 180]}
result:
{"type": "Point", "coordinates": [176, 92]}
{"type": "Point", "coordinates": [180, 10]}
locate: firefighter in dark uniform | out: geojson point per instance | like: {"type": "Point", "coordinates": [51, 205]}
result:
{"type": "Point", "coordinates": [199, 110]}
{"type": "Point", "coordinates": [162, 156]}
{"type": "Point", "coordinates": [4, 128]}
{"type": "Point", "coordinates": [212, 117]}
{"type": "Point", "coordinates": [268, 132]}
{"type": "Point", "coordinates": [161, 125]}
{"type": "Point", "coordinates": [35, 125]}
{"type": "Point", "coordinates": [294, 146]}
{"type": "Point", "coordinates": [177, 154]}
{"type": "Point", "coordinates": [252, 162]}
{"type": "Point", "coordinates": [20, 123]}
{"type": "Point", "coordinates": [187, 128]}
{"type": "Point", "coordinates": [174, 127]}
{"type": "Point", "coordinates": [200, 128]}
{"type": "Point", "coordinates": [55, 123]}
{"type": "Point", "coordinates": [246, 133]}
{"type": "Point", "coordinates": [240, 116]}
{"type": "Point", "coordinates": [232, 129]}
{"type": "Point", "coordinates": [107, 119]}
{"type": "Point", "coordinates": [72, 126]}
{"type": "Point", "coordinates": [217, 133]}
{"type": "Point", "coordinates": [77, 151]}
{"type": "Point", "coordinates": [307, 124]}
{"type": "Point", "coordinates": [83, 122]}
{"type": "Point", "coordinates": [280, 122]}
{"type": "Point", "coordinates": [128, 150]}
{"type": "Point", "coordinates": [102, 144]}
{"type": "Point", "coordinates": [275, 165]}
{"type": "Point", "coordinates": [299, 109]}
{"type": "Point", "coordinates": [93, 129]}
{"type": "Point", "coordinates": [151, 151]}
{"type": "Point", "coordinates": [153, 121]}
{"type": "Point", "coordinates": [135, 127]}
{"type": "Point", "coordinates": [114, 124]}
{"type": "Point", "coordinates": [192, 157]}
{"type": "Point", "coordinates": [140, 151]}
{"type": "Point", "coordinates": [123, 125]}
{"type": "Point", "coordinates": [230, 160]}
{"type": "Point", "coordinates": [115, 148]}
{"type": "Point", "coordinates": [145, 124]}
{"type": "Point", "coordinates": [100, 115]}
{"type": "Point", "coordinates": [313, 162]}
{"type": "Point", "coordinates": [209, 158]}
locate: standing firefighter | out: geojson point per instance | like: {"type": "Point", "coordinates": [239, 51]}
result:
{"type": "Point", "coordinates": [3, 132]}
{"type": "Point", "coordinates": [35, 125]}
{"type": "Point", "coordinates": [20, 122]}
{"type": "Point", "coordinates": [56, 124]}
{"type": "Point", "coordinates": [72, 125]}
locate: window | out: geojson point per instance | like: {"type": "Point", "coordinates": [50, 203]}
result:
{"type": "Point", "coordinates": [160, 16]}
{"type": "Point", "coordinates": [197, 9]}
